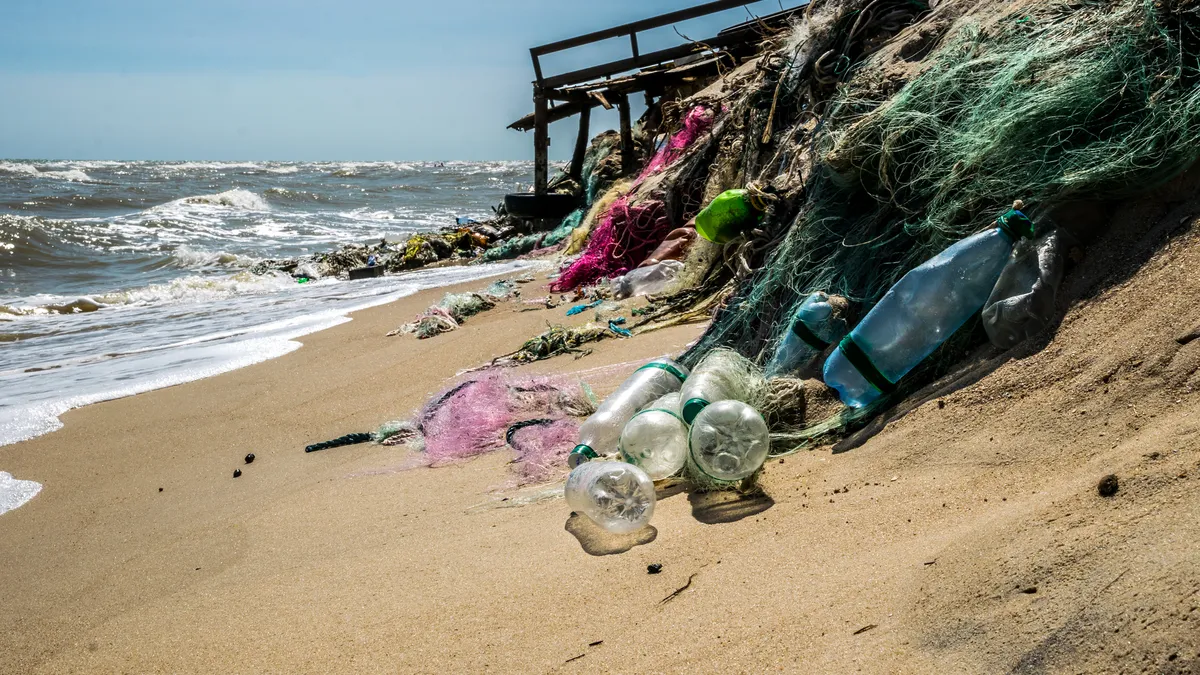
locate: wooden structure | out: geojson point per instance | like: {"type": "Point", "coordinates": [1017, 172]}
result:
{"type": "Point", "coordinates": [558, 97]}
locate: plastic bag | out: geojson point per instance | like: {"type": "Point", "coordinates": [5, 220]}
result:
{"type": "Point", "coordinates": [1022, 301]}
{"type": "Point", "coordinates": [647, 280]}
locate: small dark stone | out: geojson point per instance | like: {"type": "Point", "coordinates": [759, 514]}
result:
{"type": "Point", "coordinates": [250, 458]}
{"type": "Point", "coordinates": [160, 489]}
{"type": "Point", "coordinates": [1031, 590]}
{"type": "Point", "coordinates": [653, 568]}
{"type": "Point", "coordinates": [1108, 485]}
{"type": "Point", "coordinates": [237, 473]}
{"type": "Point", "coordinates": [941, 404]}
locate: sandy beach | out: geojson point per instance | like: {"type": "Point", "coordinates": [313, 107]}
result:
{"type": "Point", "coordinates": [961, 539]}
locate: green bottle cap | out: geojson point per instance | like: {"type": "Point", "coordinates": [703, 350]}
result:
{"type": "Point", "coordinates": [579, 455]}
{"type": "Point", "coordinates": [1016, 225]}
{"type": "Point", "coordinates": [693, 408]}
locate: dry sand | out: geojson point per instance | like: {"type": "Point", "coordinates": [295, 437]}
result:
{"type": "Point", "coordinates": [967, 536]}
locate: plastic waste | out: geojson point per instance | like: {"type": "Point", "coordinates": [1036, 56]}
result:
{"type": "Point", "coordinates": [722, 375]}
{"type": "Point", "coordinates": [674, 247]}
{"type": "Point", "coordinates": [580, 309]}
{"type": "Point", "coordinates": [726, 216]}
{"type": "Point", "coordinates": [647, 280]}
{"type": "Point", "coordinates": [1022, 302]}
{"type": "Point", "coordinates": [656, 438]}
{"type": "Point", "coordinates": [920, 312]}
{"type": "Point", "coordinates": [307, 269]}
{"type": "Point", "coordinates": [601, 432]}
{"type": "Point", "coordinates": [618, 497]}
{"type": "Point", "coordinates": [814, 327]}
{"type": "Point", "coordinates": [729, 441]}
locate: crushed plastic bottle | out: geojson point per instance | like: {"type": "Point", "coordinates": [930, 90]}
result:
{"type": "Point", "coordinates": [729, 441]}
{"type": "Point", "coordinates": [646, 280]}
{"type": "Point", "coordinates": [726, 216]}
{"type": "Point", "coordinates": [618, 497]}
{"type": "Point", "coordinates": [921, 312]}
{"type": "Point", "coordinates": [815, 326]}
{"type": "Point", "coordinates": [600, 433]}
{"type": "Point", "coordinates": [722, 375]}
{"type": "Point", "coordinates": [1022, 302]}
{"type": "Point", "coordinates": [656, 438]}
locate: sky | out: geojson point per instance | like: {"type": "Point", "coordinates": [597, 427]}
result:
{"type": "Point", "coordinates": [304, 80]}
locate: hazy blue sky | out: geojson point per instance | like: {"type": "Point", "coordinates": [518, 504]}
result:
{"type": "Point", "coordinates": [298, 79]}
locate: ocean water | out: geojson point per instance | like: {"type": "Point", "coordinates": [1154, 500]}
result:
{"type": "Point", "coordinates": [122, 277]}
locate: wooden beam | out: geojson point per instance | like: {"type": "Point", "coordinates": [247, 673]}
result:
{"type": "Point", "coordinates": [541, 144]}
{"type": "Point", "coordinates": [653, 58]}
{"type": "Point", "coordinates": [641, 26]}
{"type": "Point", "coordinates": [581, 143]}
{"type": "Point", "coordinates": [554, 114]}
{"type": "Point", "coordinates": [628, 157]}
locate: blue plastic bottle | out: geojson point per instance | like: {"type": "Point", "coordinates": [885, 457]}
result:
{"type": "Point", "coordinates": [921, 312]}
{"type": "Point", "coordinates": [814, 327]}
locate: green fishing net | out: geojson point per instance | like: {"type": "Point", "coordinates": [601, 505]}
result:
{"type": "Point", "coordinates": [1061, 101]}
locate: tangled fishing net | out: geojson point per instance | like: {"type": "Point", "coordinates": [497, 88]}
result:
{"type": "Point", "coordinates": [1056, 103]}
{"type": "Point", "coordinates": [535, 415]}
{"type": "Point", "coordinates": [554, 341]}
{"type": "Point", "coordinates": [636, 223]}
{"type": "Point", "coordinates": [454, 308]}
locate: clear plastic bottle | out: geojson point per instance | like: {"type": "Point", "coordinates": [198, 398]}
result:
{"type": "Point", "coordinates": [722, 375]}
{"type": "Point", "coordinates": [921, 312]}
{"type": "Point", "coordinates": [599, 433]}
{"type": "Point", "coordinates": [656, 438]}
{"type": "Point", "coordinates": [729, 441]}
{"type": "Point", "coordinates": [814, 327]}
{"type": "Point", "coordinates": [618, 497]}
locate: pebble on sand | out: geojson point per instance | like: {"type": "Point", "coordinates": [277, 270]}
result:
{"type": "Point", "coordinates": [1108, 485]}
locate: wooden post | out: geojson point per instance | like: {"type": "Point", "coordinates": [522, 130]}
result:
{"type": "Point", "coordinates": [581, 142]}
{"type": "Point", "coordinates": [628, 158]}
{"type": "Point", "coordinates": [541, 143]}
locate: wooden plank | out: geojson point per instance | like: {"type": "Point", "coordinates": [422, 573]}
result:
{"type": "Point", "coordinates": [553, 114]}
{"type": "Point", "coordinates": [640, 26]}
{"type": "Point", "coordinates": [581, 143]}
{"type": "Point", "coordinates": [541, 144]}
{"type": "Point", "coordinates": [653, 58]}
{"type": "Point", "coordinates": [628, 157]}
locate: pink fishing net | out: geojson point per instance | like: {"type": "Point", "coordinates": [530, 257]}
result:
{"type": "Point", "coordinates": [630, 232]}
{"type": "Point", "coordinates": [474, 416]}
{"type": "Point", "coordinates": [542, 449]}
{"type": "Point", "coordinates": [697, 122]}
{"type": "Point", "coordinates": [623, 239]}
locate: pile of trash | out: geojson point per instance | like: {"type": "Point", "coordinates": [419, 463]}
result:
{"type": "Point", "coordinates": [664, 421]}
{"type": "Point", "coordinates": [892, 171]}
{"type": "Point", "coordinates": [419, 250]}
{"type": "Point", "coordinates": [454, 308]}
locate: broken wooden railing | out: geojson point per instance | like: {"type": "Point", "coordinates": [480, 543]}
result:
{"type": "Point", "coordinates": [578, 91]}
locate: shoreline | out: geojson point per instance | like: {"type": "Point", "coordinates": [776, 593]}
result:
{"type": "Point", "coordinates": [277, 340]}
{"type": "Point", "coordinates": [101, 516]}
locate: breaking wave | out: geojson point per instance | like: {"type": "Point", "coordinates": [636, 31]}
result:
{"type": "Point", "coordinates": [186, 256]}
{"type": "Point", "coordinates": [23, 169]}
{"type": "Point", "coordinates": [236, 198]}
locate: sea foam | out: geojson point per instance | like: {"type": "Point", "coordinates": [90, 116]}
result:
{"type": "Point", "coordinates": [15, 493]}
